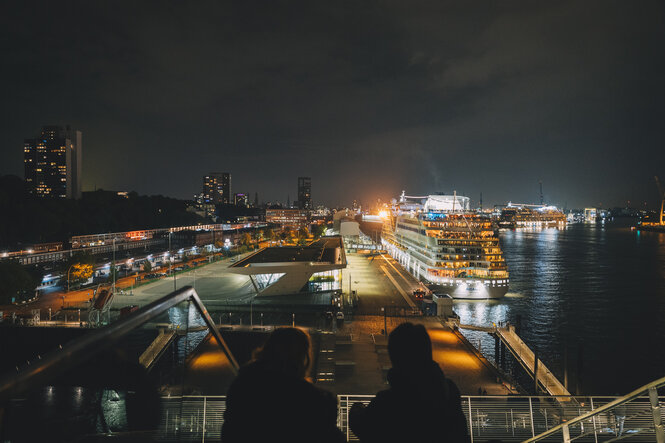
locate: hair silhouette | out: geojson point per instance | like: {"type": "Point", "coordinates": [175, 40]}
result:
{"type": "Point", "coordinates": [409, 346]}
{"type": "Point", "coordinates": [287, 350]}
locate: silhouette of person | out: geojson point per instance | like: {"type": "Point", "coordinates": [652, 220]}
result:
{"type": "Point", "coordinates": [272, 400]}
{"type": "Point", "coordinates": [421, 404]}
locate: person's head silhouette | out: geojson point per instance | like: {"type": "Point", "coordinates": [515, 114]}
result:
{"type": "Point", "coordinates": [409, 346]}
{"type": "Point", "coordinates": [287, 350]}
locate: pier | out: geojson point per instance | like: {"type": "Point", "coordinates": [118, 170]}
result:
{"type": "Point", "coordinates": [525, 356]}
{"type": "Point", "coordinates": [155, 349]}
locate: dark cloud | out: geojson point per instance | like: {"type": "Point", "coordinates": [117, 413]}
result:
{"type": "Point", "coordinates": [368, 98]}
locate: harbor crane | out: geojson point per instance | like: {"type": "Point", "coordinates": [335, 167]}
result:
{"type": "Point", "coordinates": [661, 194]}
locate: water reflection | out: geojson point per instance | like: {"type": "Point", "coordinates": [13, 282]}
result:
{"type": "Point", "coordinates": [594, 288]}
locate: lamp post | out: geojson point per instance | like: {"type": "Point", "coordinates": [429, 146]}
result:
{"type": "Point", "coordinates": [70, 268]}
{"type": "Point", "coordinates": [113, 270]}
{"type": "Point", "coordinates": [171, 260]}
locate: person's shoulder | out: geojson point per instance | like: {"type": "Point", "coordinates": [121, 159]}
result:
{"type": "Point", "coordinates": [453, 390]}
{"type": "Point", "coordinates": [384, 397]}
{"type": "Point", "coordinates": [317, 393]}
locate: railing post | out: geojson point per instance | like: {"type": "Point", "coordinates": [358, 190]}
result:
{"type": "Point", "coordinates": [566, 434]}
{"type": "Point", "coordinates": [657, 420]}
{"type": "Point", "coordinates": [203, 437]}
{"type": "Point", "coordinates": [347, 418]}
{"type": "Point", "coordinates": [512, 421]}
{"type": "Point", "coordinates": [593, 419]}
{"type": "Point", "coordinates": [533, 431]}
{"type": "Point", "coordinates": [470, 421]}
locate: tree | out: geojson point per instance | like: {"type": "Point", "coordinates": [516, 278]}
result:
{"type": "Point", "coordinates": [147, 266]}
{"type": "Point", "coordinates": [16, 280]}
{"type": "Point", "coordinates": [79, 257]}
{"type": "Point", "coordinates": [318, 230]}
{"type": "Point", "coordinates": [285, 234]}
{"type": "Point", "coordinates": [79, 273]}
{"type": "Point", "coordinates": [245, 239]}
{"type": "Point", "coordinates": [268, 234]}
{"type": "Point", "coordinates": [303, 233]}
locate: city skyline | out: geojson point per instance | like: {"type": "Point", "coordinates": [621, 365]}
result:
{"type": "Point", "coordinates": [367, 100]}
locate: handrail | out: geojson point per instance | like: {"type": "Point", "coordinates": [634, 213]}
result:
{"type": "Point", "coordinates": [81, 349]}
{"type": "Point", "coordinates": [619, 401]}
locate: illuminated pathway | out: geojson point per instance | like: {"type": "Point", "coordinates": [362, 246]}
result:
{"type": "Point", "coordinates": [361, 346]}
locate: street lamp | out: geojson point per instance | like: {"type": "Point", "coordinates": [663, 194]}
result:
{"type": "Point", "coordinates": [171, 260]}
{"type": "Point", "coordinates": [70, 268]}
{"type": "Point", "coordinates": [113, 270]}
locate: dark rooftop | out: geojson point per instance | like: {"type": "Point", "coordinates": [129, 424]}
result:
{"type": "Point", "coordinates": [322, 250]}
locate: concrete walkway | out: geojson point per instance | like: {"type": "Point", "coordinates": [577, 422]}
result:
{"type": "Point", "coordinates": [367, 349]}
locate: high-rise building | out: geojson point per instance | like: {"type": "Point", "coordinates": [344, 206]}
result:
{"type": "Point", "coordinates": [217, 188]}
{"type": "Point", "coordinates": [304, 193]}
{"type": "Point", "coordinates": [241, 200]}
{"type": "Point", "coordinates": [52, 162]}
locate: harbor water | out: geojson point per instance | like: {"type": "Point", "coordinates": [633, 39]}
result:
{"type": "Point", "coordinates": [590, 295]}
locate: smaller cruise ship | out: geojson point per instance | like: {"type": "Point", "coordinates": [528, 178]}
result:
{"type": "Point", "coordinates": [446, 245]}
{"type": "Point", "coordinates": [531, 216]}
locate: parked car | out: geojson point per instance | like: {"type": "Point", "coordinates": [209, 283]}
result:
{"type": "Point", "coordinates": [419, 294]}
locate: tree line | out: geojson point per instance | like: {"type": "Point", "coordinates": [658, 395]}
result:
{"type": "Point", "coordinates": [26, 219]}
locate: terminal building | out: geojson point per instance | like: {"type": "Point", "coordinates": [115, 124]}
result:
{"type": "Point", "coordinates": [288, 218]}
{"type": "Point", "coordinates": [295, 269]}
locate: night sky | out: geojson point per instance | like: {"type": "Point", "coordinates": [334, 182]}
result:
{"type": "Point", "coordinates": [368, 98]}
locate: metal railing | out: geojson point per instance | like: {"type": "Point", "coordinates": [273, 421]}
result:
{"type": "Point", "coordinates": [503, 418]}
{"type": "Point", "coordinates": [638, 414]}
{"type": "Point", "coordinates": [78, 351]}
{"type": "Point", "coordinates": [191, 418]}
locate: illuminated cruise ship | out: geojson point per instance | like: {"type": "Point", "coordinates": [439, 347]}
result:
{"type": "Point", "coordinates": [452, 249]}
{"type": "Point", "coordinates": [531, 216]}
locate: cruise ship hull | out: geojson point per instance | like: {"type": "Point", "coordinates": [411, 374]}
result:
{"type": "Point", "coordinates": [457, 288]}
{"type": "Point", "coordinates": [474, 290]}
{"type": "Point", "coordinates": [653, 228]}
